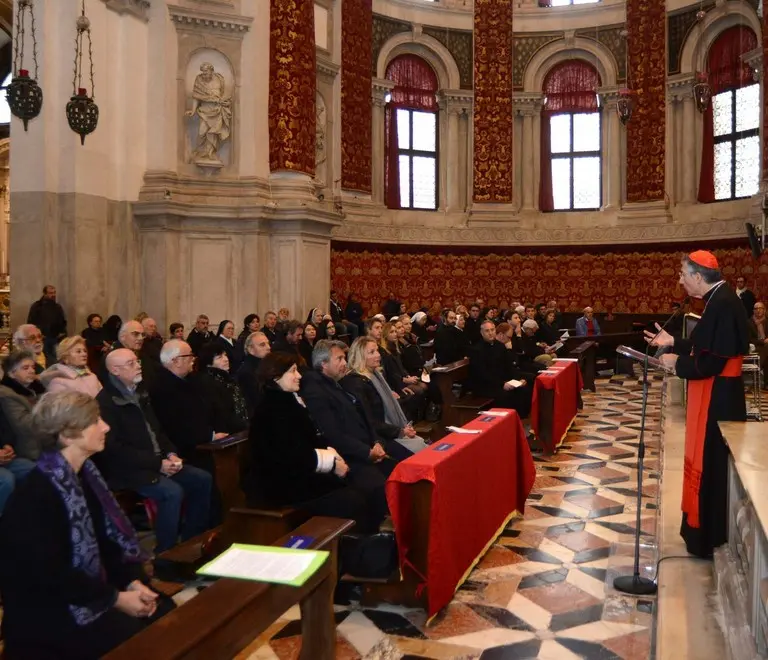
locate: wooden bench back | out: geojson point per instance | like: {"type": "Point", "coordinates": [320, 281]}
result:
{"type": "Point", "coordinates": [448, 374]}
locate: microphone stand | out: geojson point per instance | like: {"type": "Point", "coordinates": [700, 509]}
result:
{"type": "Point", "coordinates": [636, 584]}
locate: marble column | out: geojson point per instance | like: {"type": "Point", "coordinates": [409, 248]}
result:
{"type": "Point", "coordinates": [613, 162]}
{"type": "Point", "coordinates": [690, 160]}
{"type": "Point", "coordinates": [454, 104]}
{"type": "Point", "coordinates": [379, 90]}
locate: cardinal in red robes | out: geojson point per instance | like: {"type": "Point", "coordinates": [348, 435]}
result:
{"type": "Point", "coordinates": [710, 360]}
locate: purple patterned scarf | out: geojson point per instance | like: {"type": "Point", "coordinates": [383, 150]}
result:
{"type": "Point", "coordinates": [85, 546]}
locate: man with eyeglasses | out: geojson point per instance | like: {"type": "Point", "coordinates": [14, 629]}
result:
{"type": "Point", "coordinates": [185, 415]}
{"type": "Point", "coordinates": [256, 348]}
{"type": "Point", "coordinates": [139, 457]}
{"type": "Point", "coordinates": [29, 338]}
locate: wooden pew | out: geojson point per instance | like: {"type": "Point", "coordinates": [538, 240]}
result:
{"type": "Point", "coordinates": [607, 345]}
{"type": "Point", "coordinates": [226, 458]}
{"type": "Point", "coordinates": [226, 617]}
{"type": "Point", "coordinates": [586, 354]}
{"type": "Point", "coordinates": [457, 410]}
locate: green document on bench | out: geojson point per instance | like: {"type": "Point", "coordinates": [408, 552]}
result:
{"type": "Point", "coordinates": [265, 563]}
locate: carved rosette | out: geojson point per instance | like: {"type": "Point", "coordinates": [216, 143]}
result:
{"type": "Point", "coordinates": [292, 86]}
{"type": "Point", "coordinates": [493, 112]}
{"type": "Point", "coordinates": [646, 23]}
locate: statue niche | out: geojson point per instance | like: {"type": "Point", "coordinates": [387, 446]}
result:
{"type": "Point", "coordinates": [211, 110]}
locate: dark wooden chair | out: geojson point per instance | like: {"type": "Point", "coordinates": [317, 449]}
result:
{"type": "Point", "coordinates": [459, 406]}
{"type": "Point", "coordinates": [586, 354]}
{"type": "Point", "coordinates": [229, 615]}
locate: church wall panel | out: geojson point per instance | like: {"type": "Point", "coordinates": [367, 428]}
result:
{"type": "Point", "coordinates": [611, 278]}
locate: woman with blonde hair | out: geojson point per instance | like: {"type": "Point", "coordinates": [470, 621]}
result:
{"type": "Point", "coordinates": [71, 372]}
{"type": "Point", "coordinates": [409, 388]}
{"type": "Point", "coordinates": [366, 382]}
{"type": "Point", "coordinates": [71, 567]}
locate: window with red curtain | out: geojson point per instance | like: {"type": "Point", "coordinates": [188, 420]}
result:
{"type": "Point", "coordinates": [411, 135]}
{"type": "Point", "coordinates": [730, 158]}
{"type": "Point", "coordinates": [571, 162]}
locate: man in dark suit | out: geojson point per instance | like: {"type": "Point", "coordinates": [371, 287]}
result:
{"type": "Point", "coordinates": [139, 457]}
{"type": "Point", "coordinates": [451, 343]}
{"type": "Point", "coordinates": [200, 334]}
{"type": "Point", "coordinates": [491, 367]}
{"type": "Point", "coordinates": [746, 296]}
{"type": "Point", "coordinates": [341, 420]}
{"type": "Point", "coordinates": [758, 335]}
{"type": "Point", "coordinates": [256, 349]}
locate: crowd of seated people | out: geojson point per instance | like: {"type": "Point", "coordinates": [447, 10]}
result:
{"type": "Point", "coordinates": [128, 410]}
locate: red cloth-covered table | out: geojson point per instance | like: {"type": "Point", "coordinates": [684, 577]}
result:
{"type": "Point", "coordinates": [556, 400]}
{"type": "Point", "coordinates": [450, 501]}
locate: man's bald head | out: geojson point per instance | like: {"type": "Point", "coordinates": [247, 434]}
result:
{"type": "Point", "coordinates": [131, 335]}
{"type": "Point", "coordinates": [123, 364]}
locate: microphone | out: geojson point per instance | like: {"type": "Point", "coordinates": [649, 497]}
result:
{"type": "Point", "coordinates": [672, 316]}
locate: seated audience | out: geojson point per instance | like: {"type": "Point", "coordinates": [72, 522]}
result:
{"type": "Point", "coordinates": [225, 340]}
{"type": "Point", "coordinates": [71, 372]}
{"type": "Point", "coordinates": [111, 328]}
{"type": "Point", "coordinates": [366, 382]}
{"type": "Point", "coordinates": [472, 324]}
{"type": "Point", "coordinates": [251, 324]}
{"type": "Point", "coordinates": [19, 391]}
{"type": "Point", "coordinates": [130, 336]}
{"type": "Point", "coordinates": [329, 329]}
{"type": "Point", "coordinates": [200, 334]}
{"type": "Point", "coordinates": [95, 334]}
{"type": "Point", "coordinates": [283, 318]}
{"type": "Point", "coordinates": [153, 342]}
{"type": "Point", "coordinates": [758, 335]}
{"type": "Point", "coordinates": [451, 343]}
{"type": "Point", "coordinates": [391, 307]}
{"type": "Point", "coordinates": [490, 370]}
{"type": "Point", "coordinates": [270, 329]}
{"type": "Point", "coordinates": [342, 422]}
{"type": "Point", "coordinates": [552, 306]}
{"type": "Point", "coordinates": [176, 331]}
{"type": "Point", "coordinates": [343, 326]}
{"type": "Point", "coordinates": [410, 351]}
{"type": "Point", "coordinates": [256, 349]}
{"type": "Point", "coordinates": [29, 338]}
{"type": "Point", "coordinates": [587, 325]}
{"type": "Point", "coordinates": [419, 327]}
{"type": "Point", "coordinates": [530, 312]}
{"type": "Point", "coordinates": [541, 310]}
{"type": "Point", "coordinates": [221, 390]}
{"type": "Point", "coordinates": [139, 457]}
{"type": "Point", "coordinates": [548, 330]}
{"type": "Point", "coordinates": [294, 331]}
{"type": "Point", "coordinates": [183, 412]}
{"type": "Point", "coordinates": [398, 378]}
{"type": "Point", "coordinates": [71, 567]}
{"type": "Point", "coordinates": [535, 350]}
{"type": "Point", "coordinates": [353, 312]}
{"type": "Point", "coordinates": [290, 464]}
{"type": "Point", "coordinates": [307, 342]}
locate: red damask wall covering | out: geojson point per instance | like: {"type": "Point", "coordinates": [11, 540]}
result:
{"type": "Point", "coordinates": [621, 280]}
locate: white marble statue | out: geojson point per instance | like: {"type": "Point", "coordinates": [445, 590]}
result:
{"type": "Point", "coordinates": [214, 111]}
{"type": "Point", "coordinates": [320, 147]}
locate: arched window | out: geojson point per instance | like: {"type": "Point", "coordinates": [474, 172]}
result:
{"type": "Point", "coordinates": [5, 111]}
{"type": "Point", "coordinates": [410, 180]}
{"type": "Point", "coordinates": [730, 158]}
{"type": "Point", "coordinates": [570, 139]}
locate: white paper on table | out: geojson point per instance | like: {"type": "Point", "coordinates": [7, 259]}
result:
{"type": "Point", "coordinates": [566, 360]}
{"type": "Point", "coordinates": [549, 372]}
{"type": "Point", "coordinates": [458, 429]}
{"type": "Point", "coordinates": [564, 336]}
{"type": "Point", "coordinates": [424, 376]}
{"type": "Point", "coordinates": [494, 413]}
{"type": "Point", "coordinates": [556, 346]}
{"type": "Point", "coordinates": [514, 383]}
{"type": "Point", "coordinates": [255, 565]}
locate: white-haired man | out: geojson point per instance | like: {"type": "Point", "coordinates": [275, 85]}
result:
{"type": "Point", "coordinates": [29, 338]}
{"type": "Point", "coordinates": [587, 325]}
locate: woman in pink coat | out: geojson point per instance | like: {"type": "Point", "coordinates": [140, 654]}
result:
{"type": "Point", "coordinates": [71, 372]}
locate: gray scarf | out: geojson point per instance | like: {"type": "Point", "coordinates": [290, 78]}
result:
{"type": "Point", "coordinates": [393, 413]}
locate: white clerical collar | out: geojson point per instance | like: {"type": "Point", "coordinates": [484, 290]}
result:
{"type": "Point", "coordinates": [740, 291]}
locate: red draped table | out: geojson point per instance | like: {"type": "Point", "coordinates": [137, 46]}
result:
{"type": "Point", "coordinates": [556, 401]}
{"type": "Point", "coordinates": [450, 502]}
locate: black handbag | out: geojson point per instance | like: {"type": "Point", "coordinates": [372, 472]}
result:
{"type": "Point", "coordinates": [373, 556]}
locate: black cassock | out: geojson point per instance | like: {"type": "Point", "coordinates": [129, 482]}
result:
{"type": "Point", "coordinates": [710, 360]}
{"type": "Point", "coordinates": [491, 365]}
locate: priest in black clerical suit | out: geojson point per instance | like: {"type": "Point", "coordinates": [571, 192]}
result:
{"type": "Point", "coordinates": [491, 365]}
{"type": "Point", "coordinates": [451, 343]}
{"type": "Point", "coordinates": [711, 363]}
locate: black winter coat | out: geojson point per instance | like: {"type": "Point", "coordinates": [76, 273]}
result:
{"type": "Point", "coordinates": [366, 393]}
{"type": "Point", "coordinates": [230, 409]}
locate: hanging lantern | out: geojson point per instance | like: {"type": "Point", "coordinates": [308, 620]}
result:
{"type": "Point", "coordinates": [24, 96]}
{"type": "Point", "coordinates": [625, 105]}
{"type": "Point", "coordinates": [82, 111]}
{"type": "Point", "coordinates": [702, 92]}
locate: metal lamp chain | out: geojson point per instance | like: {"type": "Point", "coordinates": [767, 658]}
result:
{"type": "Point", "coordinates": [34, 40]}
{"type": "Point", "coordinates": [90, 58]}
{"type": "Point", "coordinates": [19, 41]}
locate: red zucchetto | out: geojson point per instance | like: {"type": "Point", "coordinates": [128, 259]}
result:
{"type": "Point", "coordinates": [704, 258]}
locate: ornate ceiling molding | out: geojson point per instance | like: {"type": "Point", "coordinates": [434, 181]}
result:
{"type": "Point", "coordinates": [138, 8]}
{"type": "Point", "coordinates": [185, 18]}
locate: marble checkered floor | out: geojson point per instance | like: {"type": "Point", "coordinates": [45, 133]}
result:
{"type": "Point", "coordinates": [544, 589]}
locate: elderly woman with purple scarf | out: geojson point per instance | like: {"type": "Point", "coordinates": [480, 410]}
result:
{"type": "Point", "coordinates": [71, 568]}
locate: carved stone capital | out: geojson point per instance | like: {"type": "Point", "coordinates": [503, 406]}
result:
{"type": "Point", "coordinates": [457, 101]}
{"type": "Point", "coordinates": [326, 68]}
{"type": "Point", "coordinates": [138, 8]}
{"type": "Point", "coordinates": [380, 87]}
{"type": "Point", "coordinates": [608, 97]}
{"type": "Point", "coordinates": [204, 20]}
{"type": "Point", "coordinates": [754, 59]}
{"type": "Point", "coordinates": [527, 104]}
{"type": "Point", "coordinates": [680, 87]}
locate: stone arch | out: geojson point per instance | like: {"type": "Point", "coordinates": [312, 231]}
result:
{"type": "Point", "coordinates": [579, 48]}
{"type": "Point", "coordinates": [701, 37]}
{"type": "Point", "coordinates": [426, 47]}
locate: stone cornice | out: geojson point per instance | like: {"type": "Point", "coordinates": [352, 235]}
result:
{"type": "Point", "coordinates": [516, 235]}
{"type": "Point", "coordinates": [380, 87]}
{"type": "Point", "coordinates": [326, 67]}
{"type": "Point", "coordinates": [185, 18]}
{"type": "Point", "coordinates": [457, 101]}
{"type": "Point", "coordinates": [138, 8]}
{"type": "Point", "coordinates": [527, 104]}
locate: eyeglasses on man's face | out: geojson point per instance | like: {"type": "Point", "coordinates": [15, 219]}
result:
{"type": "Point", "coordinates": [137, 334]}
{"type": "Point", "coordinates": [186, 355]}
